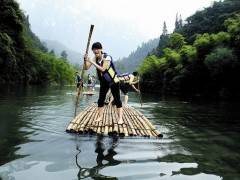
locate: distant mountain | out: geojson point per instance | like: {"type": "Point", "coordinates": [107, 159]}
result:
{"type": "Point", "coordinates": [73, 56]}
{"type": "Point", "coordinates": [130, 63]}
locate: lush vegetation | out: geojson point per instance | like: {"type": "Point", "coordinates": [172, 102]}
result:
{"type": "Point", "coordinates": [23, 58]}
{"type": "Point", "coordinates": [200, 58]}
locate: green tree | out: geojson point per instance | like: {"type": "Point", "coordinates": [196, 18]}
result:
{"type": "Point", "coordinates": [172, 57]}
{"type": "Point", "coordinates": [188, 54]}
{"type": "Point", "coordinates": [165, 31]}
{"type": "Point", "coordinates": [176, 41]}
{"type": "Point", "coordinates": [221, 61]}
{"type": "Point", "coordinates": [233, 27]}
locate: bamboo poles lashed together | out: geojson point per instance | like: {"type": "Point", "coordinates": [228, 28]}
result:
{"type": "Point", "coordinates": [83, 67]}
{"type": "Point", "coordinates": [135, 123]}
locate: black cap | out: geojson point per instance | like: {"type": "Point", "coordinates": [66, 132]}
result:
{"type": "Point", "coordinates": [97, 45]}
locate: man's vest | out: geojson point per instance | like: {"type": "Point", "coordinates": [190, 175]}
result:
{"type": "Point", "coordinates": [110, 74]}
{"type": "Point", "coordinates": [125, 78]}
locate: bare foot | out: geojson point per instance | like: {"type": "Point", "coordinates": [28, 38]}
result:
{"type": "Point", "coordinates": [120, 121]}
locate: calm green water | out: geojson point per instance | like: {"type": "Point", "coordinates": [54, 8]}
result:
{"type": "Point", "coordinates": [201, 140]}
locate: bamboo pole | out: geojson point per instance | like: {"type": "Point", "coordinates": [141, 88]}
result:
{"type": "Point", "coordinates": [110, 121]}
{"type": "Point", "coordinates": [81, 126]}
{"type": "Point", "coordinates": [132, 122]}
{"type": "Point", "coordinates": [106, 128]}
{"type": "Point", "coordinates": [142, 124]}
{"type": "Point", "coordinates": [77, 120]}
{"type": "Point", "coordinates": [115, 124]}
{"type": "Point", "coordinates": [82, 74]}
{"type": "Point", "coordinates": [129, 131]}
{"type": "Point", "coordinates": [139, 94]}
{"type": "Point", "coordinates": [73, 122]}
{"type": "Point", "coordinates": [137, 126]}
{"type": "Point", "coordinates": [153, 129]}
{"type": "Point", "coordinates": [99, 128]}
{"type": "Point", "coordinates": [125, 130]}
{"type": "Point", "coordinates": [121, 132]}
{"type": "Point", "coordinates": [89, 126]}
{"type": "Point", "coordinates": [104, 120]}
{"type": "Point", "coordinates": [131, 126]}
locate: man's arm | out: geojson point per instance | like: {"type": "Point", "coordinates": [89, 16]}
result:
{"type": "Point", "coordinates": [137, 90]}
{"type": "Point", "coordinates": [105, 66]}
{"type": "Point", "coordinates": [135, 82]}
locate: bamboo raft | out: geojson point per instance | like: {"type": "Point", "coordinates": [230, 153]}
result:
{"type": "Point", "coordinates": [135, 123]}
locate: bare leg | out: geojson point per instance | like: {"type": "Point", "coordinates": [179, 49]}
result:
{"type": "Point", "coordinates": [111, 100]}
{"type": "Point", "coordinates": [77, 94]}
{"type": "Point", "coordinates": [125, 100]}
{"type": "Point", "coordinates": [100, 114]}
{"type": "Point", "coordinates": [120, 113]}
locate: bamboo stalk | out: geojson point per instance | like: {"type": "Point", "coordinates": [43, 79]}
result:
{"type": "Point", "coordinates": [110, 121]}
{"type": "Point", "coordinates": [77, 120]}
{"type": "Point", "coordinates": [90, 118]}
{"type": "Point", "coordinates": [73, 122]}
{"type": "Point", "coordinates": [81, 126]}
{"type": "Point", "coordinates": [131, 126]}
{"type": "Point", "coordinates": [115, 124]}
{"type": "Point", "coordinates": [95, 125]}
{"type": "Point", "coordinates": [99, 129]}
{"type": "Point", "coordinates": [121, 132]}
{"type": "Point", "coordinates": [105, 120]}
{"type": "Point", "coordinates": [82, 73]}
{"type": "Point", "coordinates": [140, 121]}
{"type": "Point", "coordinates": [129, 131]}
{"type": "Point", "coordinates": [125, 131]}
{"type": "Point", "coordinates": [93, 118]}
{"type": "Point", "coordinates": [90, 126]}
{"type": "Point", "coordinates": [106, 128]}
{"type": "Point", "coordinates": [153, 129]}
{"type": "Point", "coordinates": [130, 122]}
{"type": "Point", "coordinates": [137, 126]}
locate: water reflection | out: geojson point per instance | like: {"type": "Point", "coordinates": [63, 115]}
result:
{"type": "Point", "coordinates": [100, 149]}
{"type": "Point", "coordinates": [207, 131]}
{"type": "Point", "coordinates": [201, 140]}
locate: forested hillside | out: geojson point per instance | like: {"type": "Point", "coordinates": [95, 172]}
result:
{"type": "Point", "coordinates": [58, 49]}
{"type": "Point", "coordinates": [200, 58]}
{"type": "Point", "coordinates": [23, 58]}
{"type": "Point", "coordinates": [129, 64]}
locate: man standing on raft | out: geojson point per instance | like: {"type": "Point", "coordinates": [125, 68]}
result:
{"type": "Point", "coordinates": [107, 76]}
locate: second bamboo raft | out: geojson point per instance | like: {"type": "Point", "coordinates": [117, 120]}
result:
{"type": "Point", "coordinates": [135, 123]}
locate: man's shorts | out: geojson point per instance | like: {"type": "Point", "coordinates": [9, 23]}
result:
{"type": "Point", "coordinates": [124, 88]}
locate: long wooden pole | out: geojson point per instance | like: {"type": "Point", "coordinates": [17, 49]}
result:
{"type": "Point", "coordinates": [83, 67]}
{"type": "Point", "coordinates": [140, 95]}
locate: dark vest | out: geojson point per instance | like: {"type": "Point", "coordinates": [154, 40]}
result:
{"type": "Point", "coordinates": [110, 74]}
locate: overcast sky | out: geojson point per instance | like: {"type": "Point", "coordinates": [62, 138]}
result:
{"type": "Point", "coordinates": [121, 25]}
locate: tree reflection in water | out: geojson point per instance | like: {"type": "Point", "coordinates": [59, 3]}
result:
{"type": "Point", "coordinates": [100, 148]}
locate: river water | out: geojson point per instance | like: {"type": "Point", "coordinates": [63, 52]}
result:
{"type": "Point", "coordinates": [201, 139]}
